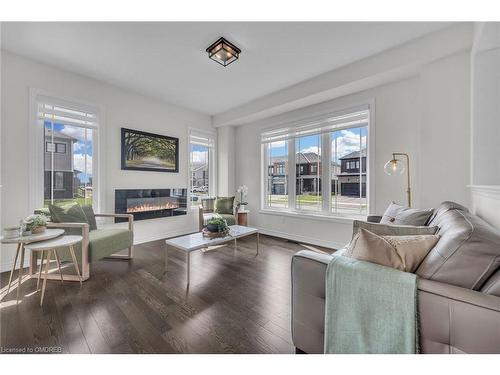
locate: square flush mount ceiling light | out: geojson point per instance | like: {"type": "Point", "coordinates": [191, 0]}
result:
{"type": "Point", "coordinates": [223, 52]}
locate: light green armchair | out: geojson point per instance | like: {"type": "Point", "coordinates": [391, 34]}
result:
{"type": "Point", "coordinates": [96, 243]}
{"type": "Point", "coordinates": [220, 206]}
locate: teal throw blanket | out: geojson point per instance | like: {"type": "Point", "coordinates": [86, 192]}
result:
{"type": "Point", "coordinates": [369, 308]}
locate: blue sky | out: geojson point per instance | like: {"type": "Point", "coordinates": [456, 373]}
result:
{"type": "Point", "coordinates": [347, 141]}
{"type": "Point", "coordinates": [199, 153]}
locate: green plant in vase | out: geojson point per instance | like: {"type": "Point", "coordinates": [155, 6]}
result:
{"type": "Point", "coordinates": [36, 223]}
{"type": "Point", "coordinates": [217, 224]}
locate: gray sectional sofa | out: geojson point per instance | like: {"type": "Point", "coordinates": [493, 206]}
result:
{"type": "Point", "coordinates": [458, 289]}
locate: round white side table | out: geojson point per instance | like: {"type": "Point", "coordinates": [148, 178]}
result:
{"type": "Point", "coordinates": [50, 247]}
{"type": "Point", "coordinates": [21, 242]}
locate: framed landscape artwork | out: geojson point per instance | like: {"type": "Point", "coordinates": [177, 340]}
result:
{"type": "Point", "coordinates": [149, 152]}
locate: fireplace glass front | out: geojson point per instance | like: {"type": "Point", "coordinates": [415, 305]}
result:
{"type": "Point", "coordinates": [151, 203]}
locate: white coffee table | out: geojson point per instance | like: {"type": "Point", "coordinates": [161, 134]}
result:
{"type": "Point", "coordinates": [198, 241]}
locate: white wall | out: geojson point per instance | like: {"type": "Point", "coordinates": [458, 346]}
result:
{"type": "Point", "coordinates": [426, 116]}
{"type": "Point", "coordinates": [122, 108]}
{"type": "Point", "coordinates": [485, 122]}
{"type": "Point", "coordinates": [225, 160]}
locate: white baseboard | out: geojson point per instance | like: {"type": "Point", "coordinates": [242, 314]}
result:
{"type": "Point", "coordinates": [304, 239]}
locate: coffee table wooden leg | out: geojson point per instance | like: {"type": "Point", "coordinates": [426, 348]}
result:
{"type": "Point", "coordinates": [75, 263]}
{"type": "Point", "coordinates": [47, 265]}
{"type": "Point", "coordinates": [13, 266]}
{"type": "Point", "coordinates": [59, 265]}
{"type": "Point", "coordinates": [40, 271]}
{"type": "Point", "coordinates": [21, 265]}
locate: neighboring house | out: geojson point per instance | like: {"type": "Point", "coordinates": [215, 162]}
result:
{"type": "Point", "coordinates": [199, 175]}
{"type": "Point", "coordinates": [59, 151]}
{"type": "Point", "coordinates": [349, 177]}
{"type": "Point", "coordinates": [307, 173]}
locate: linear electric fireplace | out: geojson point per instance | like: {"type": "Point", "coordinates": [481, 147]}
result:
{"type": "Point", "coordinates": [150, 203]}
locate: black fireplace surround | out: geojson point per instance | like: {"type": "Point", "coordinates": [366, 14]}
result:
{"type": "Point", "coordinates": [150, 203]}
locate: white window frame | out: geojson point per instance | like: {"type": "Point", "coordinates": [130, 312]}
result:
{"type": "Point", "coordinates": [37, 148]}
{"type": "Point", "coordinates": [212, 164]}
{"type": "Point", "coordinates": [298, 118]}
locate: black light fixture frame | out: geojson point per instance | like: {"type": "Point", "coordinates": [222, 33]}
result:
{"type": "Point", "coordinates": [226, 42]}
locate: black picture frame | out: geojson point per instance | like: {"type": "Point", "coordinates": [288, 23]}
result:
{"type": "Point", "coordinates": [127, 150]}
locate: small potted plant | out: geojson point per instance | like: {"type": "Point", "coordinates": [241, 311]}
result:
{"type": "Point", "coordinates": [217, 225]}
{"type": "Point", "coordinates": [242, 193]}
{"type": "Point", "coordinates": [36, 223]}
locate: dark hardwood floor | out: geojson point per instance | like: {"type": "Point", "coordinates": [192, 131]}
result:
{"type": "Point", "coordinates": [236, 303]}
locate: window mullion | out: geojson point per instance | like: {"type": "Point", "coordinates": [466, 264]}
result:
{"type": "Point", "coordinates": [292, 173]}
{"type": "Point", "coordinates": [326, 186]}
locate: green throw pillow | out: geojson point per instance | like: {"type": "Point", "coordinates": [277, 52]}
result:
{"type": "Point", "coordinates": [67, 213]}
{"type": "Point", "coordinates": [89, 214]}
{"type": "Point", "coordinates": [224, 205]}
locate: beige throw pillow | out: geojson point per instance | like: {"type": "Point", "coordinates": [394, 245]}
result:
{"type": "Point", "coordinates": [404, 253]}
{"type": "Point", "coordinates": [391, 230]}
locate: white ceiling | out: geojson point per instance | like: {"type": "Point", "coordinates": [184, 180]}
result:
{"type": "Point", "coordinates": [168, 60]}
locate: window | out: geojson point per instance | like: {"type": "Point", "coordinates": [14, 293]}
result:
{"type": "Point", "coordinates": [59, 180]}
{"type": "Point", "coordinates": [69, 135]}
{"type": "Point", "coordinates": [330, 157]}
{"type": "Point", "coordinates": [276, 184]}
{"type": "Point", "coordinates": [308, 180]}
{"type": "Point", "coordinates": [61, 148]}
{"type": "Point", "coordinates": [349, 182]}
{"type": "Point", "coordinates": [202, 166]}
{"type": "Point", "coordinates": [50, 147]}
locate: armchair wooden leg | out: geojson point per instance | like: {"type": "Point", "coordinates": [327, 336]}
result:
{"type": "Point", "coordinates": [127, 256]}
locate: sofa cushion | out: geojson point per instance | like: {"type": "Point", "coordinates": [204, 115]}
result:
{"type": "Point", "coordinates": [224, 205]}
{"type": "Point", "coordinates": [104, 242]}
{"type": "Point", "coordinates": [492, 286]}
{"type": "Point", "coordinates": [230, 219]}
{"type": "Point", "coordinates": [67, 213]}
{"type": "Point", "coordinates": [468, 252]}
{"type": "Point", "coordinates": [400, 215]}
{"type": "Point", "coordinates": [89, 214]}
{"type": "Point", "coordinates": [404, 253]}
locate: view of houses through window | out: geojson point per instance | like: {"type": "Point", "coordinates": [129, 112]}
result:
{"type": "Point", "coordinates": [347, 172]}
{"type": "Point", "coordinates": [277, 177]}
{"type": "Point", "coordinates": [308, 173]}
{"type": "Point", "coordinates": [348, 179]}
{"type": "Point", "coordinates": [201, 170]}
{"type": "Point", "coordinates": [68, 154]}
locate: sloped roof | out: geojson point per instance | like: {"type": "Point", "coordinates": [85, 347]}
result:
{"type": "Point", "coordinates": [302, 158]}
{"type": "Point", "coordinates": [354, 155]}
{"type": "Point", "coordinates": [57, 134]}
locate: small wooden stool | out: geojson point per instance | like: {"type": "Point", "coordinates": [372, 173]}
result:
{"type": "Point", "coordinates": [50, 247]}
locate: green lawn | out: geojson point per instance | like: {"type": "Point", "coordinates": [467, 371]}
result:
{"type": "Point", "coordinates": [82, 201]}
{"type": "Point", "coordinates": [301, 199]}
